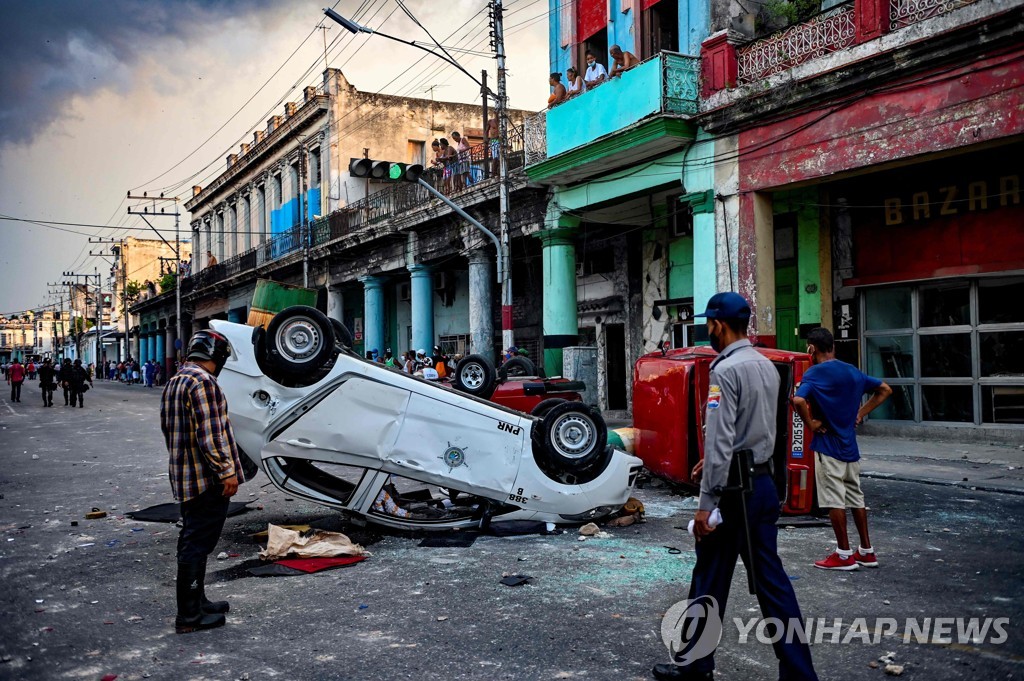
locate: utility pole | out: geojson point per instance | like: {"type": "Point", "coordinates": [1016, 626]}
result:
{"type": "Point", "coordinates": [485, 94]}
{"type": "Point", "coordinates": [145, 214]}
{"type": "Point", "coordinates": [304, 207]}
{"type": "Point", "coordinates": [324, 27]}
{"type": "Point", "coordinates": [99, 301]}
{"type": "Point", "coordinates": [116, 248]}
{"type": "Point", "coordinates": [58, 315]}
{"type": "Point", "coordinates": [505, 228]}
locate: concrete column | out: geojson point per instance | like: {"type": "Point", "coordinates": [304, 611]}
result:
{"type": "Point", "coordinates": [757, 264]}
{"type": "Point", "coordinates": [151, 346]}
{"type": "Point", "coordinates": [168, 357]}
{"type": "Point", "coordinates": [159, 345]}
{"type": "Point", "coordinates": [421, 290]}
{"type": "Point", "coordinates": [143, 354]}
{"type": "Point", "coordinates": [481, 317]}
{"type": "Point", "coordinates": [560, 324]}
{"type": "Point", "coordinates": [335, 304]}
{"type": "Point", "coordinates": [373, 313]}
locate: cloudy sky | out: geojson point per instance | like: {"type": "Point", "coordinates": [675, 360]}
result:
{"type": "Point", "coordinates": [101, 96]}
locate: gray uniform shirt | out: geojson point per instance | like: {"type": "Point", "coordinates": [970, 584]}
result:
{"type": "Point", "coordinates": [742, 405]}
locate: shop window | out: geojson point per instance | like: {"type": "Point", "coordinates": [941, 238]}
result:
{"type": "Point", "coordinates": [947, 403]}
{"type": "Point", "coordinates": [1000, 301]}
{"type": "Point", "coordinates": [946, 355]}
{"type": "Point", "coordinates": [1002, 403]}
{"type": "Point", "coordinates": [890, 356]}
{"type": "Point", "coordinates": [945, 305]}
{"type": "Point", "coordinates": [899, 407]}
{"type": "Point", "coordinates": [1002, 353]}
{"type": "Point", "coordinates": [888, 308]}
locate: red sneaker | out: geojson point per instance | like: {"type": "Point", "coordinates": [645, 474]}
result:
{"type": "Point", "coordinates": [836, 562]}
{"type": "Point", "coordinates": [866, 559]}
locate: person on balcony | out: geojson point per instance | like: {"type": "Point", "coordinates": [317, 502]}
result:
{"type": "Point", "coordinates": [210, 259]}
{"type": "Point", "coordinates": [596, 73]}
{"type": "Point", "coordinates": [558, 93]}
{"type": "Point", "coordinates": [462, 150]}
{"type": "Point", "coordinates": [621, 61]}
{"type": "Point", "coordinates": [493, 134]}
{"type": "Point", "coordinates": [448, 157]}
{"type": "Point", "coordinates": [576, 85]}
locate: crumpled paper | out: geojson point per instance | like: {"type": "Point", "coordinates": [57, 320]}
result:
{"type": "Point", "coordinates": [285, 543]}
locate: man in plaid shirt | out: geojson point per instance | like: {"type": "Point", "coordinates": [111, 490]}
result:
{"type": "Point", "coordinates": [205, 471]}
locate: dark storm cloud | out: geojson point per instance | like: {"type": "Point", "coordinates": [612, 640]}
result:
{"type": "Point", "coordinates": [52, 50]}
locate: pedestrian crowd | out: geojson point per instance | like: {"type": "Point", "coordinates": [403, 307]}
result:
{"type": "Point", "coordinates": [433, 367]}
{"type": "Point", "coordinates": [594, 75]}
{"type": "Point", "coordinates": [75, 378]}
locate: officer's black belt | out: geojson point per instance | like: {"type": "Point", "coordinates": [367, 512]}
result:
{"type": "Point", "coordinates": [763, 468]}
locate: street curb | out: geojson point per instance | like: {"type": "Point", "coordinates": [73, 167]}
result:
{"type": "Point", "coordinates": [942, 483]}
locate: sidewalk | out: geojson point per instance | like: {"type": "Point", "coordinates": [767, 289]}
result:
{"type": "Point", "coordinates": [990, 468]}
{"type": "Point", "coordinates": [986, 467]}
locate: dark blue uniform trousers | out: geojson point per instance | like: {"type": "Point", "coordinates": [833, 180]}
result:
{"type": "Point", "coordinates": [716, 560]}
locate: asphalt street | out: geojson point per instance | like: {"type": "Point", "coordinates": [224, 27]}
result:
{"type": "Point", "coordinates": [81, 602]}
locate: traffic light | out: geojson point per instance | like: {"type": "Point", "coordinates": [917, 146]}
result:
{"type": "Point", "coordinates": [384, 171]}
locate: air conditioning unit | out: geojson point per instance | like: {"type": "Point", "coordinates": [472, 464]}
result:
{"type": "Point", "coordinates": [403, 292]}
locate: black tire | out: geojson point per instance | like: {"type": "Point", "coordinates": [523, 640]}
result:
{"type": "Point", "coordinates": [544, 406]}
{"type": "Point", "coordinates": [342, 335]}
{"type": "Point", "coordinates": [475, 375]}
{"type": "Point", "coordinates": [517, 366]}
{"type": "Point", "coordinates": [300, 341]}
{"type": "Point", "coordinates": [572, 437]}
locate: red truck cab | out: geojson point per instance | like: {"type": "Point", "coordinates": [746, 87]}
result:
{"type": "Point", "coordinates": [670, 393]}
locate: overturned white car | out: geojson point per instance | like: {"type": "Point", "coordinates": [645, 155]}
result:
{"type": "Point", "coordinates": [331, 427]}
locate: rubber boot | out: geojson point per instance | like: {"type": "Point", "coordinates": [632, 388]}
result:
{"type": "Point", "coordinates": [208, 606]}
{"type": "Point", "coordinates": [189, 590]}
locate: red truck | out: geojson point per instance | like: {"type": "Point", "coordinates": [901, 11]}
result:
{"type": "Point", "coordinates": [670, 392]}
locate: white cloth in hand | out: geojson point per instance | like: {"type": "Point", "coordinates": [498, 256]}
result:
{"type": "Point", "coordinates": [714, 520]}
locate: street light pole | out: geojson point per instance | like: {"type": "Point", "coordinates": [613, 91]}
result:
{"type": "Point", "coordinates": [505, 228]}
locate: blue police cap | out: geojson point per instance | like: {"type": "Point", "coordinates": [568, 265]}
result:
{"type": "Point", "coordinates": [726, 305]}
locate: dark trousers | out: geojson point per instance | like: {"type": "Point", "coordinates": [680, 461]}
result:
{"type": "Point", "coordinates": [202, 520]}
{"type": "Point", "coordinates": [47, 395]}
{"type": "Point", "coordinates": [16, 391]}
{"type": "Point", "coordinates": [77, 395]}
{"type": "Point", "coordinates": [716, 560]}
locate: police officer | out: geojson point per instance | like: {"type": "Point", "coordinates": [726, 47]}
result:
{"type": "Point", "coordinates": [741, 414]}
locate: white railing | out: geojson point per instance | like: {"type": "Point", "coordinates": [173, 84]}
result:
{"type": "Point", "coordinates": [822, 34]}
{"type": "Point", "coordinates": [903, 13]}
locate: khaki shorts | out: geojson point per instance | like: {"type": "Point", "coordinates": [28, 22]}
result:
{"type": "Point", "coordinates": [837, 482]}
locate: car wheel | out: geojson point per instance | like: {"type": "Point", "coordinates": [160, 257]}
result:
{"type": "Point", "coordinates": [517, 366]}
{"type": "Point", "coordinates": [300, 340]}
{"type": "Point", "coordinates": [475, 376]}
{"type": "Point", "coordinates": [572, 437]}
{"type": "Point", "coordinates": [341, 334]}
{"type": "Point", "coordinates": [544, 406]}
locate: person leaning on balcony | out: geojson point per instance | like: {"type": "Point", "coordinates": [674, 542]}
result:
{"type": "Point", "coordinates": [596, 73]}
{"type": "Point", "coordinates": [621, 61]}
{"type": "Point", "coordinates": [210, 260]}
{"type": "Point", "coordinates": [558, 94]}
{"type": "Point", "coordinates": [576, 85]}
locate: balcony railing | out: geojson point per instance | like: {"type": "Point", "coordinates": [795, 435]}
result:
{"type": "Point", "coordinates": [466, 172]}
{"type": "Point", "coordinates": [830, 31]}
{"type": "Point", "coordinates": [667, 83]}
{"type": "Point", "coordinates": [903, 13]}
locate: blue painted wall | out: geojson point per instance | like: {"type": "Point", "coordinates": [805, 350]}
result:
{"type": "Point", "coordinates": [694, 27]}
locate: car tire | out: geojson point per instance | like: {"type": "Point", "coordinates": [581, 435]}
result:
{"type": "Point", "coordinates": [572, 438]}
{"type": "Point", "coordinates": [515, 367]}
{"type": "Point", "coordinates": [342, 335]}
{"type": "Point", "coordinates": [544, 406]}
{"type": "Point", "coordinates": [475, 375]}
{"type": "Point", "coordinates": [300, 341]}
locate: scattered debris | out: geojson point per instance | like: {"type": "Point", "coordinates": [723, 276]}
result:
{"type": "Point", "coordinates": [442, 618]}
{"type": "Point", "coordinates": [888, 658]}
{"type": "Point", "coordinates": [35, 457]}
{"type": "Point", "coordinates": [873, 664]}
{"type": "Point", "coordinates": [293, 567]}
{"type": "Point", "coordinates": [515, 580]}
{"type": "Point", "coordinates": [894, 669]}
{"type": "Point", "coordinates": [282, 543]}
{"type": "Point", "coordinates": [222, 555]}
{"type": "Point", "coordinates": [95, 514]}
{"type": "Point", "coordinates": [589, 530]}
{"type": "Point", "coordinates": [261, 536]}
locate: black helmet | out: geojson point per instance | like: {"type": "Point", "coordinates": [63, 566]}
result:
{"type": "Point", "coordinates": [211, 346]}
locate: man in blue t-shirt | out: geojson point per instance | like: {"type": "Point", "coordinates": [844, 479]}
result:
{"type": "Point", "coordinates": [829, 402]}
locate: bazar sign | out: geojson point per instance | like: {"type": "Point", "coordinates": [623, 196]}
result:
{"type": "Point", "coordinates": [954, 199]}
